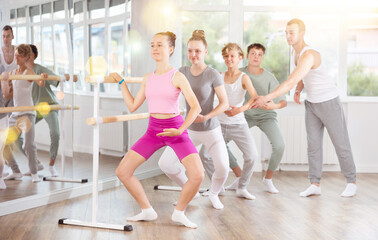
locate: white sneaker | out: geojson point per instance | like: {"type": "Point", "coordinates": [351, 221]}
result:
{"type": "Point", "coordinates": [13, 176]}
{"type": "Point", "coordinates": [35, 178]}
{"type": "Point", "coordinates": [40, 167]}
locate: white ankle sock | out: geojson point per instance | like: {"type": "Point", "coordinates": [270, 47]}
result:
{"type": "Point", "coordinates": [195, 197]}
{"type": "Point", "coordinates": [234, 185]}
{"type": "Point", "coordinates": [311, 190]}
{"type": "Point", "coordinates": [217, 204]}
{"type": "Point", "coordinates": [35, 178]}
{"type": "Point", "coordinates": [13, 176]}
{"type": "Point", "coordinates": [350, 190]}
{"type": "Point", "coordinates": [207, 193]}
{"type": "Point", "coordinates": [270, 186]}
{"type": "Point", "coordinates": [244, 194]}
{"type": "Point", "coordinates": [179, 216]}
{"type": "Point", "coordinates": [2, 184]}
{"type": "Point", "coordinates": [53, 171]}
{"type": "Point", "coordinates": [148, 214]}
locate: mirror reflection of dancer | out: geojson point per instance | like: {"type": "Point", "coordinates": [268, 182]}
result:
{"type": "Point", "coordinates": [206, 82]}
{"type": "Point", "coordinates": [233, 123]}
{"type": "Point", "coordinates": [4, 88]}
{"type": "Point", "coordinates": [166, 127]}
{"type": "Point", "coordinates": [24, 121]}
{"type": "Point", "coordinates": [323, 109]}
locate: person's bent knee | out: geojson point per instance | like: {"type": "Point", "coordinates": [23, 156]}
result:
{"type": "Point", "coordinates": [122, 174]}
{"type": "Point", "coordinates": [197, 177]}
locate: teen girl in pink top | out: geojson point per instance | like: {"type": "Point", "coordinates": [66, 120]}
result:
{"type": "Point", "coordinates": [166, 127]}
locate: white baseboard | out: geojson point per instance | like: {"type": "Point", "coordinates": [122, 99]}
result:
{"type": "Point", "coordinates": [77, 190]}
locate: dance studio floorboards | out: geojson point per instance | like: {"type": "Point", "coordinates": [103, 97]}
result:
{"type": "Point", "coordinates": [270, 216]}
{"type": "Point", "coordinates": [78, 168]}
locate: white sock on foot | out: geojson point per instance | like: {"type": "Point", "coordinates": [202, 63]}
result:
{"type": "Point", "coordinates": [270, 186]}
{"type": "Point", "coordinates": [179, 216]}
{"type": "Point", "coordinates": [13, 176]}
{"type": "Point", "coordinates": [40, 167]}
{"type": "Point", "coordinates": [311, 190]}
{"type": "Point", "coordinates": [53, 171]}
{"type": "Point", "coordinates": [35, 178]}
{"type": "Point", "coordinates": [148, 214]}
{"type": "Point", "coordinates": [207, 193]}
{"type": "Point", "coordinates": [234, 185]}
{"type": "Point", "coordinates": [2, 184]}
{"type": "Point", "coordinates": [195, 197]}
{"type": "Point", "coordinates": [217, 204]}
{"type": "Point", "coordinates": [244, 194]}
{"type": "Point", "coordinates": [350, 190]}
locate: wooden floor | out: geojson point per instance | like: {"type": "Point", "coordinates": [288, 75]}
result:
{"type": "Point", "coordinates": [270, 216]}
{"type": "Point", "coordinates": [79, 167]}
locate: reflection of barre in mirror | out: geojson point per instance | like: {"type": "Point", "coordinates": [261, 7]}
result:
{"type": "Point", "coordinates": [119, 118]}
{"type": "Point", "coordinates": [39, 108]}
{"type": "Point", "coordinates": [32, 77]}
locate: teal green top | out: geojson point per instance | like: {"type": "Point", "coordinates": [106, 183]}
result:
{"type": "Point", "coordinates": [44, 94]}
{"type": "Point", "coordinates": [264, 84]}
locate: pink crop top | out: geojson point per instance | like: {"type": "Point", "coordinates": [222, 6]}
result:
{"type": "Point", "coordinates": [161, 95]}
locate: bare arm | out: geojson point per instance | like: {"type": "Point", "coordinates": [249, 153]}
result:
{"type": "Point", "coordinates": [298, 90]}
{"type": "Point", "coordinates": [132, 103]}
{"type": "Point", "coordinates": [40, 83]}
{"type": "Point", "coordinates": [5, 86]}
{"type": "Point", "coordinates": [305, 63]}
{"type": "Point", "coordinates": [220, 91]}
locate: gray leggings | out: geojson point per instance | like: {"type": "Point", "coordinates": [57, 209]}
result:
{"type": "Point", "coordinates": [240, 134]}
{"type": "Point", "coordinates": [328, 114]}
{"type": "Point", "coordinates": [271, 129]}
{"type": "Point", "coordinates": [29, 148]}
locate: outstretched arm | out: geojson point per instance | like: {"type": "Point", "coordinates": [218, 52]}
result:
{"type": "Point", "coordinates": [305, 63]}
{"type": "Point", "coordinates": [132, 103]}
{"type": "Point", "coordinates": [6, 86]}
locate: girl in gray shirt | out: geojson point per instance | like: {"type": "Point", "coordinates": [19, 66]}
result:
{"type": "Point", "coordinates": [206, 82]}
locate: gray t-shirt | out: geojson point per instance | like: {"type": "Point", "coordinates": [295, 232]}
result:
{"type": "Point", "coordinates": [264, 84]}
{"type": "Point", "coordinates": [203, 87]}
{"type": "Point", "coordinates": [45, 93]}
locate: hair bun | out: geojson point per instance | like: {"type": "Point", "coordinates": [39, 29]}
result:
{"type": "Point", "coordinates": [198, 33]}
{"type": "Point", "coordinates": [172, 35]}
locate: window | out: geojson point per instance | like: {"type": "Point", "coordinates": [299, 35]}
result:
{"type": "Point", "coordinates": [36, 40]}
{"type": "Point", "coordinates": [269, 30]}
{"type": "Point", "coordinates": [46, 11]}
{"type": "Point", "coordinates": [96, 9]}
{"type": "Point", "coordinates": [78, 57]}
{"type": "Point", "coordinates": [59, 9]}
{"type": "Point", "coordinates": [34, 14]}
{"type": "Point", "coordinates": [362, 55]}
{"type": "Point", "coordinates": [116, 7]}
{"type": "Point", "coordinates": [47, 51]}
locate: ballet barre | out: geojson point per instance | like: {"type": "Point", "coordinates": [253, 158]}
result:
{"type": "Point", "coordinates": [33, 77]}
{"type": "Point", "coordinates": [108, 79]}
{"type": "Point", "coordinates": [41, 108]}
{"type": "Point", "coordinates": [96, 149]}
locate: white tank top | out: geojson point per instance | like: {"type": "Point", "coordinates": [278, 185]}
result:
{"type": "Point", "coordinates": [318, 84]}
{"type": "Point", "coordinates": [7, 67]}
{"type": "Point", "coordinates": [22, 94]}
{"type": "Point", "coordinates": [236, 96]}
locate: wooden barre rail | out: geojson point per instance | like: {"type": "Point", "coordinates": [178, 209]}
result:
{"type": "Point", "coordinates": [119, 118]}
{"type": "Point", "coordinates": [36, 108]}
{"type": "Point", "coordinates": [107, 79]}
{"type": "Point", "coordinates": [32, 77]}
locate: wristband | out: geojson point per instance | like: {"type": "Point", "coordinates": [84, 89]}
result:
{"type": "Point", "coordinates": [121, 81]}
